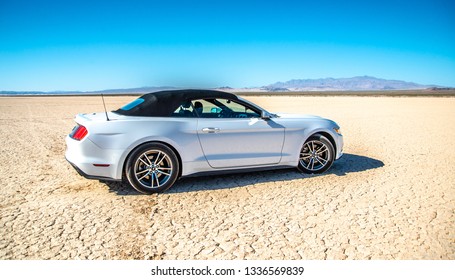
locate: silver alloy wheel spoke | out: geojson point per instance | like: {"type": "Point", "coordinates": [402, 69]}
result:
{"type": "Point", "coordinates": [164, 173]}
{"type": "Point", "coordinates": [157, 157]}
{"type": "Point", "coordinates": [147, 158]}
{"type": "Point", "coordinates": [164, 157]}
{"type": "Point", "coordinates": [309, 162]}
{"type": "Point", "coordinates": [143, 176]}
{"type": "Point", "coordinates": [323, 159]}
{"type": "Point", "coordinates": [140, 172]}
{"type": "Point", "coordinates": [144, 161]}
{"type": "Point", "coordinates": [157, 180]}
{"type": "Point", "coordinates": [308, 147]}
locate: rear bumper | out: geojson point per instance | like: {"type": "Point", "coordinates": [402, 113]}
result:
{"type": "Point", "coordinates": [92, 177]}
{"type": "Point", "coordinates": [83, 155]}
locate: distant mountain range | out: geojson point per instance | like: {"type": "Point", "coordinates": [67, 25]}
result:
{"type": "Point", "coordinates": [344, 84]}
{"type": "Point", "coordinates": [361, 83]}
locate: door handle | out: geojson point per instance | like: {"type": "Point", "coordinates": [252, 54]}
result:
{"type": "Point", "coordinates": [210, 129]}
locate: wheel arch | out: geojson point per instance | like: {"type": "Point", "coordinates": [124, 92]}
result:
{"type": "Point", "coordinates": [149, 142]}
{"type": "Point", "coordinates": [328, 136]}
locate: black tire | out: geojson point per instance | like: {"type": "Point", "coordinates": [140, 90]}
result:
{"type": "Point", "coordinates": [316, 155]}
{"type": "Point", "coordinates": [152, 168]}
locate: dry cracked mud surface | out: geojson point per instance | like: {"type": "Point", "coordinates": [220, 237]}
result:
{"type": "Point", "coordinates": [391, 196]}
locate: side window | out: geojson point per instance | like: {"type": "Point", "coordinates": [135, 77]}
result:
{"type": "Point", "coordinates": [222, 108]}
{"type": "Point", "coordinates": [206, 108]}
{"type": "Point", "coordinates": [185, 110]}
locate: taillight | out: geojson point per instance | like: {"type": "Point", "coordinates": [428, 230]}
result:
{"type": "Point", "coordinates": [79, 132]}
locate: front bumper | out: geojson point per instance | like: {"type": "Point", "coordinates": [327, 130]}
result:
{"type": "Point", "coordinates": [340, 143]}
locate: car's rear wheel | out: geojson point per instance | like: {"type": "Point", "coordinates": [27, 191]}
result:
{"type": "Point", "coordinates": [316, 155]}
{"type": "Point", "coordinates": [152, 168]}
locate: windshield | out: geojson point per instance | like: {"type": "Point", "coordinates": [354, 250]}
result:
{"type": "Point", "coordinates": [256, 106]}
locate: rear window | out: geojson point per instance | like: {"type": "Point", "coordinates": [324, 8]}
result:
{"type": "Point", "coordinates": [132, 104]}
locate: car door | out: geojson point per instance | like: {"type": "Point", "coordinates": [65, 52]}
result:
{"type": "Point", "coordinates": [232, 134]}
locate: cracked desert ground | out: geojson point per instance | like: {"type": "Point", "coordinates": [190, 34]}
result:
{"type": "Point", "coordinates": [391, 196]}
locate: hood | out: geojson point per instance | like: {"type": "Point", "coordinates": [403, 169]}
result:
{"type": "Point", "coordinates": [297, 116]}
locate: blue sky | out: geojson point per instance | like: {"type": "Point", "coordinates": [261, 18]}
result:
{"type": "Point", "coordinates": [94, 45]}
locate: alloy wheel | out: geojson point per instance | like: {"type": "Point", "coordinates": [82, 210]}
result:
{"type": "Point", "coordinates": [315, 155]}
{"type": "Point", "coordinates": [153, 169]}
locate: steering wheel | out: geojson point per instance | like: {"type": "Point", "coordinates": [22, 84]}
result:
{"type": "Point", "coordinates": [224, 114]}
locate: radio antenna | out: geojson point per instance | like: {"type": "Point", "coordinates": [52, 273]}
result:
{"type": "Point", "coordinates": [104, 104]}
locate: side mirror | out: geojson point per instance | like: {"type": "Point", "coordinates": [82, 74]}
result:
{"type": "Point", "coordinates": [265, 115]}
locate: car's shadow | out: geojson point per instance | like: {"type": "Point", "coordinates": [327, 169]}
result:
{"type": "Point", "coordinates": [349, 163]}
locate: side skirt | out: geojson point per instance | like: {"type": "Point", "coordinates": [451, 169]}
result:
{"type": "Point", "coordinates": [237, 171]}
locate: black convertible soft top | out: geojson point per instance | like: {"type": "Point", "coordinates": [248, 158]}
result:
{"type": "Point", "coordinates": [164, 103]}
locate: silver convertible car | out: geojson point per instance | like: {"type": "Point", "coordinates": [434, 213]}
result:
{"type": "Point", "coordinates": [162, 136]}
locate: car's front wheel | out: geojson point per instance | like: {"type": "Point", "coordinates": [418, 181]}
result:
{"type": "Point", "coordinates": [316, 155]}
{"type": "Point", "coordinates": [152, 168]}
